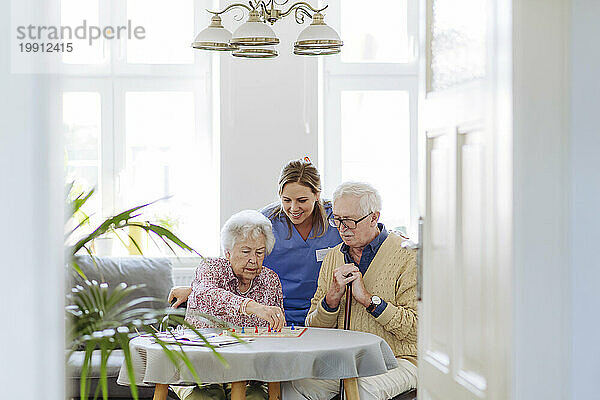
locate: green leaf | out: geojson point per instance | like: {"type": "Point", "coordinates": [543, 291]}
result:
{"type": "Point", "coordinates": [123, 340]}
{"type": "Point", "coordinates": [78, 269]}
{"type": "Point", "coordinates": [120, 292]}
{"type": "Point", "coordinates": [116, 222]}
{"type": "Point", "coordinates": [164, 234]}
{"type": "Point", "coordinates": [183, 322]}
{"type": "Point", "coordinates": [79, 225]}
{"type": "Point", "coordinates": [168, 352]}
{"type": "Point", "coordinates": [74, 205]}
{"type": "Point", "coordinates": [80, 201]}
{"type": "Point", "coordinates": [139, 249]}
{"type": "Point", "coordinates": [104, 353]}
{"type": "Point", "coordinates": [83, 385]}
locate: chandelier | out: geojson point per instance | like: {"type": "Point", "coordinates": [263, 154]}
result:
{"type": "Point", "coordinates": [256, 39]}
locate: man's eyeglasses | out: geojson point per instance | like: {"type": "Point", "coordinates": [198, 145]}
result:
{"type": "Point", "coordinates": [347, 222]}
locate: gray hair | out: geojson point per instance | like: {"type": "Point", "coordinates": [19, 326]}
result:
{"type": "Point", "coordinates": [369, 198]}
{"type": "Point", "coordinates": [247, 224]}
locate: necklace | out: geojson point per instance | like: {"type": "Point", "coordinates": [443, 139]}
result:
{"type": "Point", "coordinates": [247, 290]}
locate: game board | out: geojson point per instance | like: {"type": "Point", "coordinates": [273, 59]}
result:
{"type": "Point", "coordinates": [252, 331]}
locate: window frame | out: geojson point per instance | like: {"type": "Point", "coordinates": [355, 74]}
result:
{"type": "Point", "coordinates": [337, 76]}
{"type": "Point", "coordinates": [113, 78]}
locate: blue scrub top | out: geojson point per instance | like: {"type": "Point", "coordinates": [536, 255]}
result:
{"type": "Point", "coordinates": [295, 261]}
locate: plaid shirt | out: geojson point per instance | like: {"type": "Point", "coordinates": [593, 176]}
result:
{"type": "Point", "coordinates": [215, 291]}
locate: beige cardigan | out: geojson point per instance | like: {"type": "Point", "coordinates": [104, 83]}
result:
{"type": "Point", "coordinates": [392, 275]}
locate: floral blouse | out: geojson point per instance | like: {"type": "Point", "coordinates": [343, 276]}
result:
{"type": "Point", "coordinates": [215, 291]}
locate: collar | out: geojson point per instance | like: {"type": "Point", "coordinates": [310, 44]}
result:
{"type": "Point", "coordinates": [229, 272]}
{"type": "Point", "coordinates": [235, 282]}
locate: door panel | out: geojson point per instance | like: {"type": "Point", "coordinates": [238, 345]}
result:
{"type": "Point", "coordinates": [457, 358]}
{"type": "Point", "coordinates": [453, 321]}
{"type": "Point", "coordinates": [439, 334]}
{"type": "Point", "coordinates": [471, 280]}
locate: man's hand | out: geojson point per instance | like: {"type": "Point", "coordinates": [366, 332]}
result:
{"type": "Point", "coordinates": [342, 275]}
{"type": "Point", "coordinates": [273, 315]}
{"type": "Point", "coordinates": [359, 292]}
{"type": "Point", "coordinates": [180, 294]}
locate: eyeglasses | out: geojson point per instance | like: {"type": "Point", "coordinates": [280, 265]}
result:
{"type": "Point", "coordinates": [347, 222]}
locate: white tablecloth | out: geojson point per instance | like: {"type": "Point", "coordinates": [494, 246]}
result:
{"type": "Point", "coordinates": [318, 353]}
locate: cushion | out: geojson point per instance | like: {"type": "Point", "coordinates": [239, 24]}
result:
{"type": "Point", "coordinates": [113, 364]}
{"type": "Point", "coordinates": [155, 273]}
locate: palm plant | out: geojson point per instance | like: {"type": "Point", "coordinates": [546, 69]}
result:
{"type": "Point", "coordinates": [103, 318]}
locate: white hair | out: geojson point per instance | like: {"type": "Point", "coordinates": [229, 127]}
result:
{"type": "Point", "coordinates": [368, 196]}
{"type": "Point", "coordinates": [247, 224]}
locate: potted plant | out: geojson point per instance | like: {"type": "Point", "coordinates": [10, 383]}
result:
{"type": "Point", "coordinates": [103, 318]}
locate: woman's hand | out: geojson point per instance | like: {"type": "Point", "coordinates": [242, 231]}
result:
{"type": "Point", "coordinates": [180, 294]}
{"type": "Point", "coordinates": [273, 315]}
{"type": "Point", "coordinates": [342, 275]}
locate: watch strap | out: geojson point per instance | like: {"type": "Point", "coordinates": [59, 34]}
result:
{"type": "Point", "coordinates": [371, 307]}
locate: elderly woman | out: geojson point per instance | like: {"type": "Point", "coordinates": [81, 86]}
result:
{"type": "Point", "coordinates": [303, 235]}
{"type": "Point", "coordinates": [237, 289]}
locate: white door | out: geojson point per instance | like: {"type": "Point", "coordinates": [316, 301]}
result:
{"type": "Point", "coordinates": [463, 322]}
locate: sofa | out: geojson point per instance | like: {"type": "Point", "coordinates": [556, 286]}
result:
{"type": "Point", "coordinates": [156, 274]}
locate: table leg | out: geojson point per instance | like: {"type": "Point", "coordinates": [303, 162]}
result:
{"type": "Point", "coordinates": [160, 391]}
{"type": "Point", "coordinates": [351, 388]}
{"type": "Point", "coordinates": [274, 391]}
{"type": "Point", "coordinates": [238, 390]}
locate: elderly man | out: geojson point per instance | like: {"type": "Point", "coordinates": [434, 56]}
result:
{"type": "Point", "coordinates": [382, 273]}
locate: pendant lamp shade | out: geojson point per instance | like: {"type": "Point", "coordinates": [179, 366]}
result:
{"type": "Point", "coordinates": [255, 52]}
{"type": "Point", "coordinates": [317, 35]}
{"type": "Point", "coordinates": [303, 51]}
{"type": "Point", "coordinates": [215, 37]}
{"type": "Point", "coordinates": [254, 33]}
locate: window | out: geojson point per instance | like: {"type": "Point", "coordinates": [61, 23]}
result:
{"type": "Point", "coordinates": [369, 105]}
{"type": "Point", "coordinates": [136, 117]}
{"type": "Point", "coordinates": [82, 127]}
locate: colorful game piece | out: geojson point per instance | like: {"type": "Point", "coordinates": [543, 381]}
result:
{"type": "Point", "coordinates": [267, 331]}
{"type": "Point", "coordinates": [292, 326]}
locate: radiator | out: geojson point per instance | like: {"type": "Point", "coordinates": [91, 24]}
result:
{"type": "Point", "coordinates": [184, 270]}
{"type": "Point", "coordinates": [183, 276]}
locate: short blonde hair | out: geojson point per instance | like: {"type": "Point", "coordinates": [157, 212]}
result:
{"type": "Point", "coordinates": [247, 224]}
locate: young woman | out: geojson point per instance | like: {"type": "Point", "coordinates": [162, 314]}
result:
{"type": "Point", "coordinates": [302, 238]}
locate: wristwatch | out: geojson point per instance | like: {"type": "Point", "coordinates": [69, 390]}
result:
{"type": "Point", "coordinates": [375, 301]}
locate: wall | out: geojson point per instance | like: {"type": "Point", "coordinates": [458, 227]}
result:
{"type": "Point", "coordinates": [268, 117]}
{"type": "Point", "coordinates": [31, 298]}
{"type": "Point", "coordinates": [585, 198]}
{"type": "Point", "coordinates": [541, 182]}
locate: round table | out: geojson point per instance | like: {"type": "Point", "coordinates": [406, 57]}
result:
{"type": "Point", "coordinates": [318, 353]}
